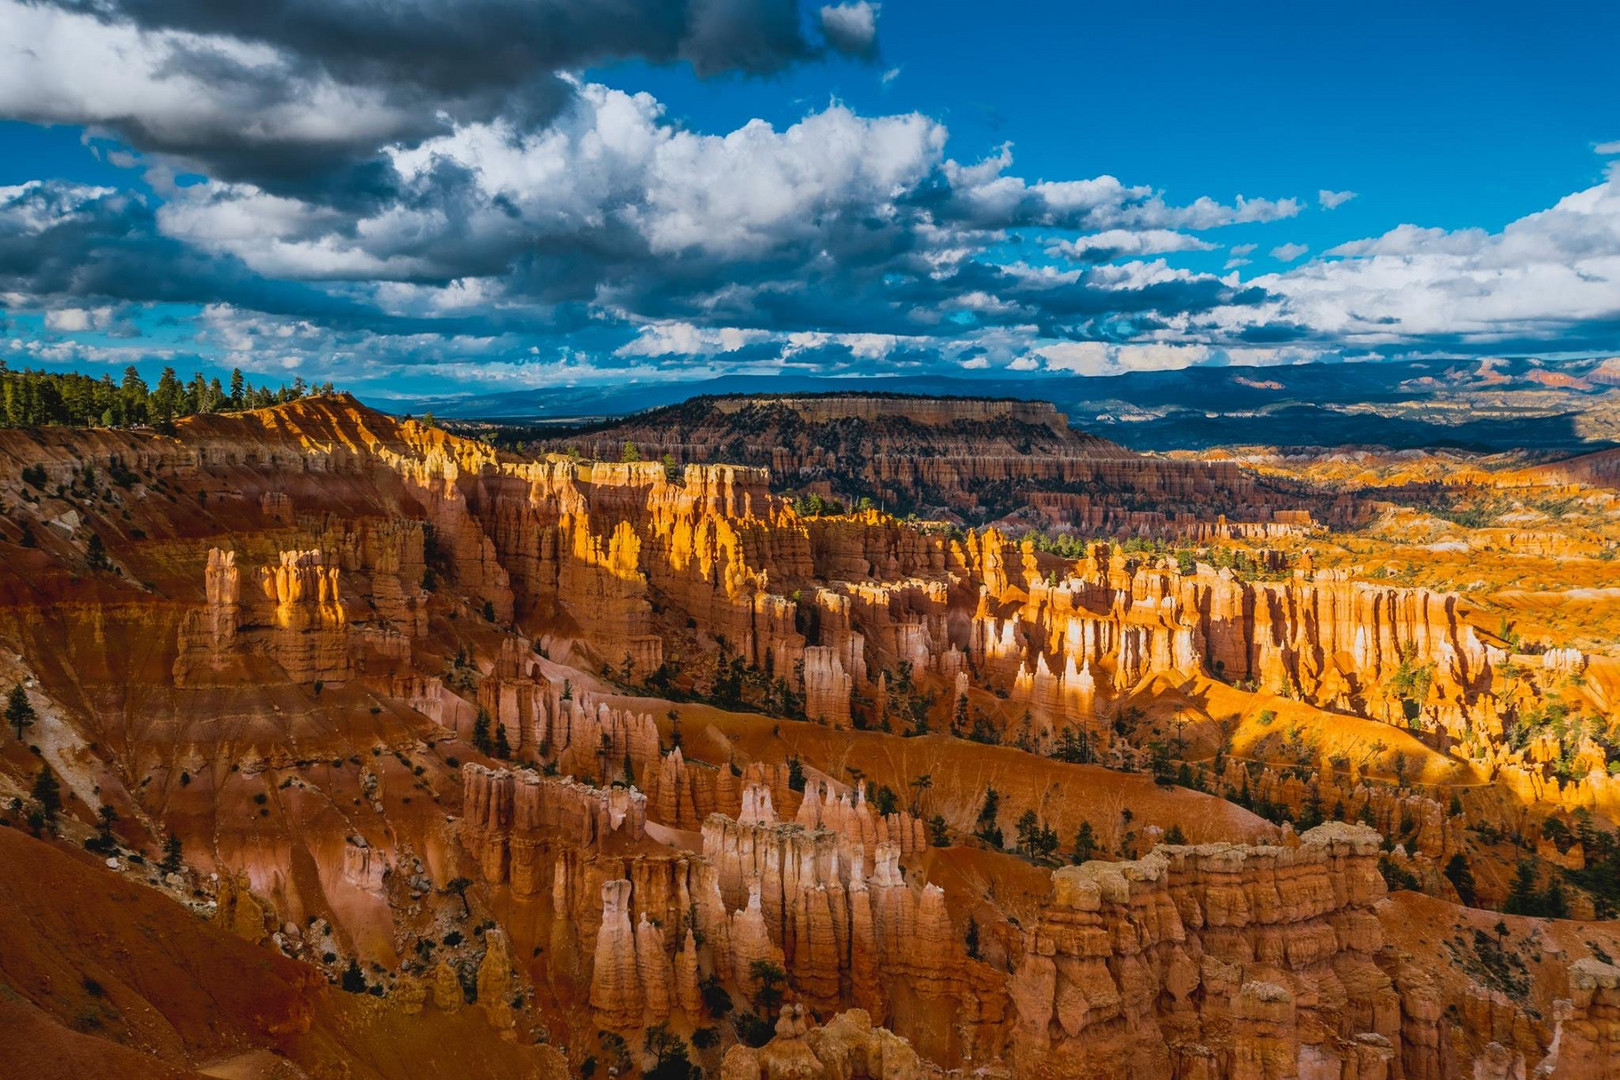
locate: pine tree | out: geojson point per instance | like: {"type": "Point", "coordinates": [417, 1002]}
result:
{"type": "Point", "coordinates": [96, 553]}
{"type": "Point", "coordinates": [1522, 898]}
{"type": "Point", "coordinates": [1027, 830]}
{"type": "Point", "coordinates": [503, 748]}
{"type": "Point", "coordinates": [19, 711]}
{"type": "Point", "coordinates": [1085, 843]}
{"type": "Point", "coordinates": [987, 829]}
{"type": "Point", "coordinates": [172, 860]}
{"type": "Point", "coordinates": [1461, 878]}
{"type": "Point", "coordinates": [480, 736]}
{"type": "Point", "coordinates": [48, 793]}
{"type": "Point", "coordinates": [1554, 904]}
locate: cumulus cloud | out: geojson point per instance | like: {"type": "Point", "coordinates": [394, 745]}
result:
{"type": "Point", "coordinates": [304, 95]}
{"type": "Point", "coordinates": [839, 222]}
{"type": "Point", "coordinates": [1103, 358]}
{"type": "Point", "coordinates": [983, 195]}
{"type": "Point", "coordinates": [1114, 243]}
{"type": "Point", "coordinates": [686, 339]}
{"type": "Point", "coordinates": [387, 191]}
{"type": "Point", "coordinates": [1289, 252]}
{"type": "Point", "coordinates": [851, 28]}
{"type": "Point", "coordinates": [1551, 277]}
{"type": "Point", "coordinates": [1332, 200]}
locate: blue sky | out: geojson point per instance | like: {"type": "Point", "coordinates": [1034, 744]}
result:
{"type": "Point", "coordinates": [497, 194]}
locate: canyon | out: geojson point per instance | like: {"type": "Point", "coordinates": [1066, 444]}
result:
{"type": "Point", "coordinates": [551, 762]}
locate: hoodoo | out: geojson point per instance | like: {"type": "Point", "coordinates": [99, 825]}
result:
{"type": "Point", "coordinates": [624, 752]}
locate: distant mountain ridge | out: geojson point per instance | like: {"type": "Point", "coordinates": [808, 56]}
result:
{"type": "Point", "coordinates": [1491, 404]}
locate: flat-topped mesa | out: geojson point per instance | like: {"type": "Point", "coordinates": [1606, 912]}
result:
{"type": "Point", "coordinates": [918, 410]}
{"type": "Point", "coordinates": [513, 819]}
{"type": "Point", "coordinates": [970, 455]}
{"type": "Point", "coordinates": [1210, 945]}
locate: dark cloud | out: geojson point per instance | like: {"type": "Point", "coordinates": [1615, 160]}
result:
{"type": "Point", "coordinates": [301, 95]}
{"type": "Point", "coordinates": [466, 49]}
{"type": "Point", "coordinates": [62, 243]}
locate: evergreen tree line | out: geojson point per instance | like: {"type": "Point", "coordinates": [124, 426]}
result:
{"type": "Point", "coordinates": [39, 398]}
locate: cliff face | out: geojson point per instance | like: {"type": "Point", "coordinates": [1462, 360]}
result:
{"type": "Point", "coordinates": [1223, 961]}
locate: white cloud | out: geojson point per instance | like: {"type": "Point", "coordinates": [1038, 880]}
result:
{"type": "Point", "coordinates": [1540, 276]}
{"type": "Point", "coordinates": [69, 68]}
{"type": "Point", "coordinates": [889, 76]}
{"type": "Point", "coordinates": [1243, 249]}
{"type": "Point", "coordinates": [1332, 200]}
{"type": "Point", "coordinates": [1114, 243]}
{"type": "Point", "coordinates": [74, 320]}
{"type": "Point", "coordinates": [609, 166]}
{"type": "Point", "coordinates": [29, 209]}
{"type": "Point", "coordinates": [1233, 264]}
{"type": "Point", "coordinates": [1289, 252]}
{"type": "Point", "coordinates": [1608, 147]}
{"type": "Point", "coordinates": [685, 339]}
{"type": "Point", "coordinates": [1101, 358]}
{"type": "Point", "coordinates": [851, 27]}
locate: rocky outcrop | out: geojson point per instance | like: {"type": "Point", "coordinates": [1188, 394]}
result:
{"type": "Point", "coordinates": [849, 1045]}
{"type": "Point", "coordinates": [208, 634]}
{"type": "Point", "coordinates": [295, 617]}
{"type": "Point", "coordinates": [826, 686]}
{"type": "Point", "coordinates": [617, 994]}
{"type": "Point", "coordinates": [308, 633]}
{"type": "Point", "coordinates": [333, 804]}
{"type": "Point", "coordinates": [513, 821]}
{"type": "Point", "coordinates": [1587, 1041]}
{"type": "Point", "coordinates": [1254, 959]}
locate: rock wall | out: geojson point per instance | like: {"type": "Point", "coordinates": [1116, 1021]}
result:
{"type": "Point", "coordinates": [295, 616]}
{"type": "Point", "coordinates": [513, 821]}
{"type": "Point", "coordinates": [1215, 961]}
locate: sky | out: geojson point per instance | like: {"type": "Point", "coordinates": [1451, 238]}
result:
{"type": "Point", "coordinates": [468, 196]}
